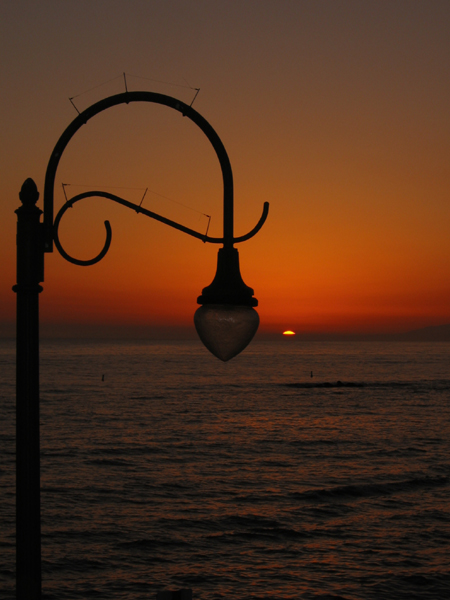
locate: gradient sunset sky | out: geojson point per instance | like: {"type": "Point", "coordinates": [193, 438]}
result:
{"type": "Point", "coordinates": [336, 112]}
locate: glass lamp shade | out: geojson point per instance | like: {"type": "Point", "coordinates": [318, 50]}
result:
{"type": "Point", "coordinates": [226, 329]}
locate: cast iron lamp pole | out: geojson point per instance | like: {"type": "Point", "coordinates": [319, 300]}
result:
{"type": "Point", "coordinates": [226, 321]}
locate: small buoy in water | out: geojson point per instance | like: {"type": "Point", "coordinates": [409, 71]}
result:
{"type": "Point", "coordinates": [103, 378]}
{"type": "Point", "coordinates": [311, 373]}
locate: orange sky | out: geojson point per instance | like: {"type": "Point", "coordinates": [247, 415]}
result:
{"type": "Point", "coordinates": [334, 112]}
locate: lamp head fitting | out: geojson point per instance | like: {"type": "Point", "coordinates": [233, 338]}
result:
{"type": "Point", "coordinates": [227, 321]}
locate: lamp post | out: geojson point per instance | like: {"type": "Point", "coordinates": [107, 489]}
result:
{"type": "Point", "coordinates": [226, 320]}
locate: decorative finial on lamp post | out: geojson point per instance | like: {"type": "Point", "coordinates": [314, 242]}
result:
{"type": "Point", "coordinates": [29, 194]}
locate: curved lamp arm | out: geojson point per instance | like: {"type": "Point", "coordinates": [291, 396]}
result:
{"type": "Point", "coordinates": [144, 211]}
{"type": "Point", "coordinates": [50, 229]}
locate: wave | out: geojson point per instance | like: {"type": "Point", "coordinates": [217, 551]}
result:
{"type": "Point", "coordinates": [366, 490]}
{"type": "Point", "coordinates": [440, 384]}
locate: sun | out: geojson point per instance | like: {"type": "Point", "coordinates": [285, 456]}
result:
{"type": "Point", "coordinates": [288, 332]}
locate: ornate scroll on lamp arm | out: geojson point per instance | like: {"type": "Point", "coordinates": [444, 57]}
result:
{"type": "Point", "coordinates": [226, 322]}
{"type": "Point", "coordinates": [144, 211]}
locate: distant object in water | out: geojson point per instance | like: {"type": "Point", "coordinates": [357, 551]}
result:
{"type": "Point", "coordinates": [311, 374]}
{"type": "Point", "coordinates": [103, 378]}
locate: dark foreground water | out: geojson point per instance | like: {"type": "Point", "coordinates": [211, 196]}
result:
{"type": "Point", "coordinates": [243, 480]}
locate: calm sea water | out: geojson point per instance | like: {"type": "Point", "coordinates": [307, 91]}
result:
{"type": "Point", "coordinates": [244, 480]}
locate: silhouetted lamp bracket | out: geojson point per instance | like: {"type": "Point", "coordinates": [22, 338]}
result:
{"type": "Point", "coordinates": [226, 320]}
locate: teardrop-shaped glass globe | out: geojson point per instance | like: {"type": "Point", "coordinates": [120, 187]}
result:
{"type": "Point", "coordinates": [226, 329]}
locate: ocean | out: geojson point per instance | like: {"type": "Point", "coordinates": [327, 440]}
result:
{"type": "Point", "coordinates": [295, 471]}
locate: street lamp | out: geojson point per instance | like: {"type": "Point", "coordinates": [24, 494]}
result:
{"type": "Point", "coordinates": [226, 320]}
